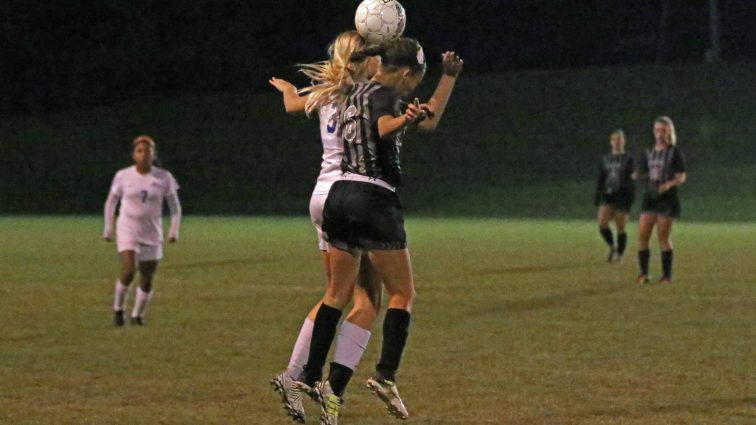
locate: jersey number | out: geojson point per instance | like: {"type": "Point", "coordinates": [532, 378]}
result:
{"type": "Point", "coordinates": [350, 123]}
{"type": "Point", "coordinates": [144, 196]}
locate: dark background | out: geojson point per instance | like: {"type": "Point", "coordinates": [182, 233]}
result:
{"type": "Point", "coordinates": [544, 84]}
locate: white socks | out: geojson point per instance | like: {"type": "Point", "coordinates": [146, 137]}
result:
{"type": "Point", "coordinates": [121, 293]}
{"type": "Point", "coordinates": [301, 350]}
{"type": "Point", "coordinates": [350, 345]}
{"type": "Point", "coordinates": [142, 298]}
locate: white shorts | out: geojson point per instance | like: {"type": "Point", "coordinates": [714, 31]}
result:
{"type": "Point", "coordinates": [143, 252]}
{"type": "Point", "coordinates": [317, 201]}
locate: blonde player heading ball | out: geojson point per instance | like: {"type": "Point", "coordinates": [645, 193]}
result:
{"type": "Point", "coordinates": [330, 80]}
{"type": "Point", "coordinates": [141, 190]}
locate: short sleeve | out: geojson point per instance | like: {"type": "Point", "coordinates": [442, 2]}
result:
{"type": "Point", "coordinates": [678, 162]}
{"type": "Point", "coordinates": [116, 187]}
{"type": "Point", "coordinates": [383, 102]}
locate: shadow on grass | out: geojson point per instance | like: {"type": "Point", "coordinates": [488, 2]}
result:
{"type": "Point", "coordinates": [693, 406]}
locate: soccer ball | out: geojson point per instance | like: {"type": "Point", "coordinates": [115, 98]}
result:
{"type": "Point", "coordinates": [379, 21]}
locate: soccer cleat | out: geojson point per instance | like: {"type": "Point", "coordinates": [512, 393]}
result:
{"type": "Point", "coordinates": [330, 404]}
{"type": "Point", "coordinates": [118, 320]}
{"type": "Point", "coordinates": [137, 321]}
{"type": "Point", "coordinates": [291, 396]}
{"type": "Point", "coordinates": [644, 279]}
{"type": "Point", "coordinates": [665, 280]}
{"type": "Point", "coordinates": [387, 392]}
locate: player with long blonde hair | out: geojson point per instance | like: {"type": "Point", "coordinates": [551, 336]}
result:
{"type": "Point", "coordinates": [663, 171]}
{"type": "Point", "coordinates": [330, 80]}
{"type": "Point", "coordinates": [363, 215]}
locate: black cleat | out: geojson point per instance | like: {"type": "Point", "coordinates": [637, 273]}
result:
{"type": "Point", "coordinates": [118, 318]}
{"type": "Point", "coordinates": [137, 321]}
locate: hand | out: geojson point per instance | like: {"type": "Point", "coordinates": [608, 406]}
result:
{"type": "Point", "coordinates": [415, 112]}
{"type": "Point", "coordinates": [108, 237]}
{"type": "Point", "coordinates": [173, 239]}
{"type": "Point", "coordinates": [451, 63]}
{"type": "Point", "coordinates": [664, 187]}
{"type": "Point", "coordinates": [282, 85]}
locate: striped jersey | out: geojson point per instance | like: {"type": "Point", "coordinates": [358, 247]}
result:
{"type": "Point", "coordinates": [365, 153]}
{"type": "Point", "coordinates": [616, 173]}
{"type": "Point", "coordinates": [662, 165]}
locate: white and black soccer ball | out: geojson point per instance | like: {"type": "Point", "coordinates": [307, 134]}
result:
{"type": "Point", "coordinates": [379, 21]}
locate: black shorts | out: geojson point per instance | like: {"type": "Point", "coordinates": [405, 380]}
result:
{"type": "Point", "coordinates": [363, 215]}
{"type": "Point", "coordinates": [664, 204]}
{"type": "Point", "coordinates": [621, 201]}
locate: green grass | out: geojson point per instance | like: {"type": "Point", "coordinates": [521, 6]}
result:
{"type": "Point", "coordinates": [517, 322]}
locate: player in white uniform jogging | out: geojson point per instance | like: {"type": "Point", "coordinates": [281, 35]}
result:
{"type": "Point", "coordinates": [141, 190]}
{"type": "Point", "coordinates": [330, 79]}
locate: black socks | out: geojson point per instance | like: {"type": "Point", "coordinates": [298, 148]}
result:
{"type": "Point", "coordinates": [643, 257]}
{"type": "Point", "coordinates": [606, 233]}
{"type": "Point", "coordinates": [323, 332]}
{"type": "Point", "coordinates": [339, 378]}
{"type": "Point", "coordinates": [666, 257]}
{"type": "Point", "coordinates": [395, 332]}
{"type": "Point", "coordinates": [621, 243]}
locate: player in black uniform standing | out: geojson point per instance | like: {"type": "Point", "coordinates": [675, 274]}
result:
{"type": "Point", "coordinates": [615, 193]}
{"type": "Point", "coordinates": [363, 214]}
{"type": "Point", "coordinates": [663, 171]}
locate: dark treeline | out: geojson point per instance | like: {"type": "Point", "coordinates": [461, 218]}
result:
{"type": "Point", "coordinates": [68, 54]}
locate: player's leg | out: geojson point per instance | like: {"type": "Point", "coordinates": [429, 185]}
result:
{"type": "Point", "coordinates": [663, 233]}
{"type": "Point", "coordinates": [395, 270]}
{"type": "Point", "coordinates": [345, 266]}
{"type": "Point", "coordinates": [144, 292]}
{"type": "Point", "coordinates": [126, 276]}
{"type": "Point", "coordinates": [620, 220]}
{"type": "Point", "coordinates": [288, 383]}
{"type": "Point", "coordinates": [645, 228]}
{"type": "Point", "coordinates": [605, 213]}
{"type": "Point", "coordinates": [354, 333]}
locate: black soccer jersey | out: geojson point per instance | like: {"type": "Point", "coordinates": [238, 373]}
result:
{"type": "Point", "coordinates": [661, 166]}
{"type": "Point", "coordinates": [616, 173]}
{"type": "Point", "coordinates": [365, 153]}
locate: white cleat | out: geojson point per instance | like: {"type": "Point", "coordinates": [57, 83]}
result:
{"type": "Point", "coordinates": [386, 390]}
{"type": "Point", "coordinates": [291, 396]}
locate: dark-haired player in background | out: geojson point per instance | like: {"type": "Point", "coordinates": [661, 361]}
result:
{"type": "Point", "coordinates": [615, 193]}
{"type": "Point", "coordinates": [663, 171]}
{"type": "Point", "coordinates": [141, 189]}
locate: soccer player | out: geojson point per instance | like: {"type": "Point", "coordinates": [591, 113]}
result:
{"type": "Point", "coordinates": [663, 171]}
{"type": "Point", "coordinates": [615, 192]}
{"type": "Point", "coordinates": [331, 79]}
{"type": "Point", "coordinates": [141, 190]}
{"type": "Point", "coordinates": [363, 214]}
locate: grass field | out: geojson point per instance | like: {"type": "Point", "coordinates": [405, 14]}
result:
{"type": "Point", "coordinates": [517, 322]}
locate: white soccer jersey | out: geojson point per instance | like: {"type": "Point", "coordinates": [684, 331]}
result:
{"type": "Point", "coordinates": [333, 148]}
{"type": "Point", "coordinates": [142, 197]}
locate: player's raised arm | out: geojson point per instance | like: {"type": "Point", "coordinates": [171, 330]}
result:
{"type": "Point", "coordinates": [293, 102]}
{"type": "Point", "coordinates": [452, 65]}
